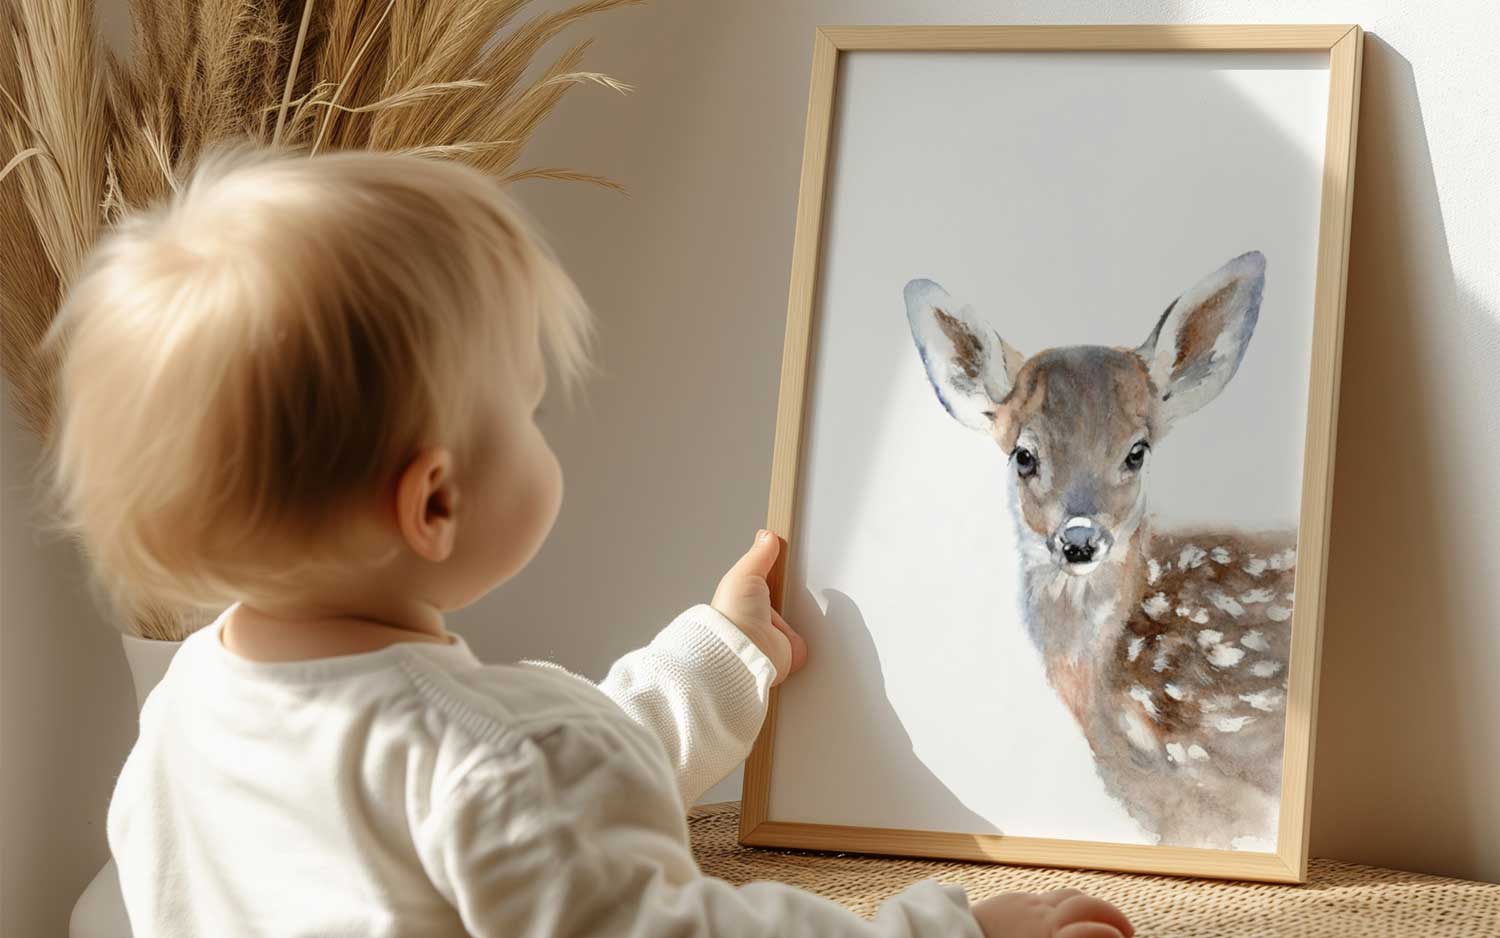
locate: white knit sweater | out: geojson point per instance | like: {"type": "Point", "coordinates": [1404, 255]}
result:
{"type": "Point", "coordinates": [414, 791]}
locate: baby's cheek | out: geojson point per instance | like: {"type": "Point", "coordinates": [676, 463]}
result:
{"type": "Point", "coordinates": [550, 488]}
{"type": "Point", "coordinates": [522, 519]}
{"type": "Point", "coordinates": [538, 494]}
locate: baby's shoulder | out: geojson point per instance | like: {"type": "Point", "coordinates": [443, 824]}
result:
{"type": "Point", "coordinates": [503, 705]}
{"type": "Point", "coordinates": [535, 723]}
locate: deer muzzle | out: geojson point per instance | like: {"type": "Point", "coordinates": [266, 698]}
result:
{"type": "Point", "coordinates": [1081, 544]}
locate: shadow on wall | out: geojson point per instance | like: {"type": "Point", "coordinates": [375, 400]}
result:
{"type": "Point", "coordinates": [877, 742]}
{"type": "Point", "coordinates": [1395, 780]}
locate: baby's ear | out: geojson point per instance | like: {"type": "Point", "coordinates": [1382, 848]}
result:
{"type": "Point", "coordinates": [968, 364]}
{"type": "Point", "coordinates": [426, 499]}
{"type": "Point", "coordinates": [1200, 340]}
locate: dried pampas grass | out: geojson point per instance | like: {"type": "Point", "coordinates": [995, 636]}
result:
{"type": "Point", "coordinates": [86, 136]}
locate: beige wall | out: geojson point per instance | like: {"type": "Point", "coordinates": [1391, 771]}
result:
{"type": "Point", "coordinates": [668, 468]}
{"type": "Point", "coordinates": [669, 464]}
{"type": "Point", "coordinates": [67, 712]}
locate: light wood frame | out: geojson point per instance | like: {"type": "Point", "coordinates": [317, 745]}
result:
{"type": "Point", "coordinates": [1343, 44]}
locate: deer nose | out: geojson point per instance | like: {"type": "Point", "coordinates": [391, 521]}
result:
{"type": "Point", "coordinates": [1081, 540]}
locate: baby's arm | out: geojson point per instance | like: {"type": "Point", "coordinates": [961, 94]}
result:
{"type": "Point", "coordinates": [702, 685]}
{"type": "Point", "coordinates": [572, 835]}
{"type": "Point", "coordinates": [701, 688]}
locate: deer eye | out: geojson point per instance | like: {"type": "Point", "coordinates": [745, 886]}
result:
{"type": "Point", "coordinates": [1025, 461]}
{"type": "Point", "coordinates": [1137, 456]}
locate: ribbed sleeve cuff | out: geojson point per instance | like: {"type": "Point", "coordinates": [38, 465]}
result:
{"type": "Point", "coordinates": [721, 654]}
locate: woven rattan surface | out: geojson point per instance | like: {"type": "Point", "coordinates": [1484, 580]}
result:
{"type": "Point", "coordinates": [1340, 900]}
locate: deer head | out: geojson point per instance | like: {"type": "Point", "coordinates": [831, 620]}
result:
{"type": "Point", "coordinates": [1079, 423]}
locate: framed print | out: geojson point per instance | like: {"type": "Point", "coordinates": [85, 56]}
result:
{"type": "Point", "coordinates": [1055, 443]}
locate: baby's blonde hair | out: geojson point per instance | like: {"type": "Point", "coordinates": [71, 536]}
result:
{"type": "Point", "coordinates": [272, 346]}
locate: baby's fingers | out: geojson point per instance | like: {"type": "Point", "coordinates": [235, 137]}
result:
{"type": "Point", "coordinates": [799, 647]}
{"type": "Point", "coordinates": [758, 560]}
{"type": "Point", "coordinates": [1087, 910]}
{"type": "Point", "coordinates": [1089, 930]}
{"type": "Point", "coordinates": [1059, 896]}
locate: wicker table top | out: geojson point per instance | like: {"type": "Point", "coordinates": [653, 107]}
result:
{"type": "Point", "coordinates": [1340, 900]}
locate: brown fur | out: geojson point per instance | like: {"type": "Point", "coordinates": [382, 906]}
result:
{"type": "Point", "coordinates": [1229, 785]}
{"type": "Point", "coordinates": [968, 351]}
{"type": "Point", "coordinates": [1202, 327]}
{"type": "Point", "coordinates": [1058, 394]}
{"type": "Point", "coordinates": [1173, 638]}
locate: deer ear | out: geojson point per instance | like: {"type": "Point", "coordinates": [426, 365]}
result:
{"type": "Point", "coordinates": [970, 367]}
{"type": "Point", "coordinates": [1200, 340]}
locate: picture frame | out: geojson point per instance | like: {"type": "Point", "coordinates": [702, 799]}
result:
{"type": "Point", "coordinates": [762, 823]}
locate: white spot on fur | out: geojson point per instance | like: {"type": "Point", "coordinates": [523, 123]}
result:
{"type": "Point", "coordinates": [1209, 637]}
{"type": "Point", "coordinates": [1265, 668]}
{"type": "Point", "coordinates": [1201, 616]}
{"type": "Point", "coordinates": [1220, 555]}
{"type": "Point", "coordinates": [1191, 556]}
{"type": "Point", "coordinates": [1231, 724]}
{"type": "Point", "coordinates": [1285, 560]}
{"type": "Point", "coordinates": [1255, 566]}
{"type": "Point", "coordinates": [1176, 753]}
{"type": "Point", "coordinates": [1290, 597]}
{"type": "Point", "coordinates": [1143, 697]}
{"type": "Point", "coordinates": [1175, 692]}
{"type": "Point", "coordinates": [1251, 842]}
{"type": "Point", "coordinates": [1140, 737]}
{"type": "Point", "coordinates": [1217, 703]}
{"type": "Point", "coordinates": [1197, 752]}
{"type": "Point", "coordinates": [1161, 663]}
{"type": "Point", "coordinates": [1156, 606]}
{"type": "Point", "coordinates": [1153, 571]}
{"type": "Point", "coordinates": [1255, 641]}
{"type": "Point", "coordinates": [1133, 651]}
{"type": "Point", "coordinates": [1278, 613]}
{"type": "Point", "coordinates": [1263, 700]}
{"type": "Point", "coordinates": [1227, 604]}
{"type": "Point", "coordinates": [1225, 656]}
{"type": "Point", "coordinates": [1257, 596]}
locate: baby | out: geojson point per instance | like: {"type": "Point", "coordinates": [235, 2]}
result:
{"type": "Point", "coordinates": [305, 389]}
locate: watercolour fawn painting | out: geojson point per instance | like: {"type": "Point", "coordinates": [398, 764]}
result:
{"type": "Point", "coordinates": [1168, 648]}
{"type": "Point", "coordinates": [1054, 445]}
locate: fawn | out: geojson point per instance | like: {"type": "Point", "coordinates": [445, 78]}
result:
{"type": "Point", "coordinates": [1170, 649]}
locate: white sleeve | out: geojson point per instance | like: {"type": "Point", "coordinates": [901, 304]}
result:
{"type": "Point", "coordinates": [701, 688]}
{"type": "Point", "coordinates": [578, 840]}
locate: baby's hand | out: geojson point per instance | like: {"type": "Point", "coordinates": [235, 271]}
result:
{"type": "Point", "coordinates": [1065, 913]}
{"type": "Point", "coordinates": [744, 599]}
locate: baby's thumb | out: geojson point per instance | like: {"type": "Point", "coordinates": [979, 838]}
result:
{"type": "Point", "coordinates": [760, 558]}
